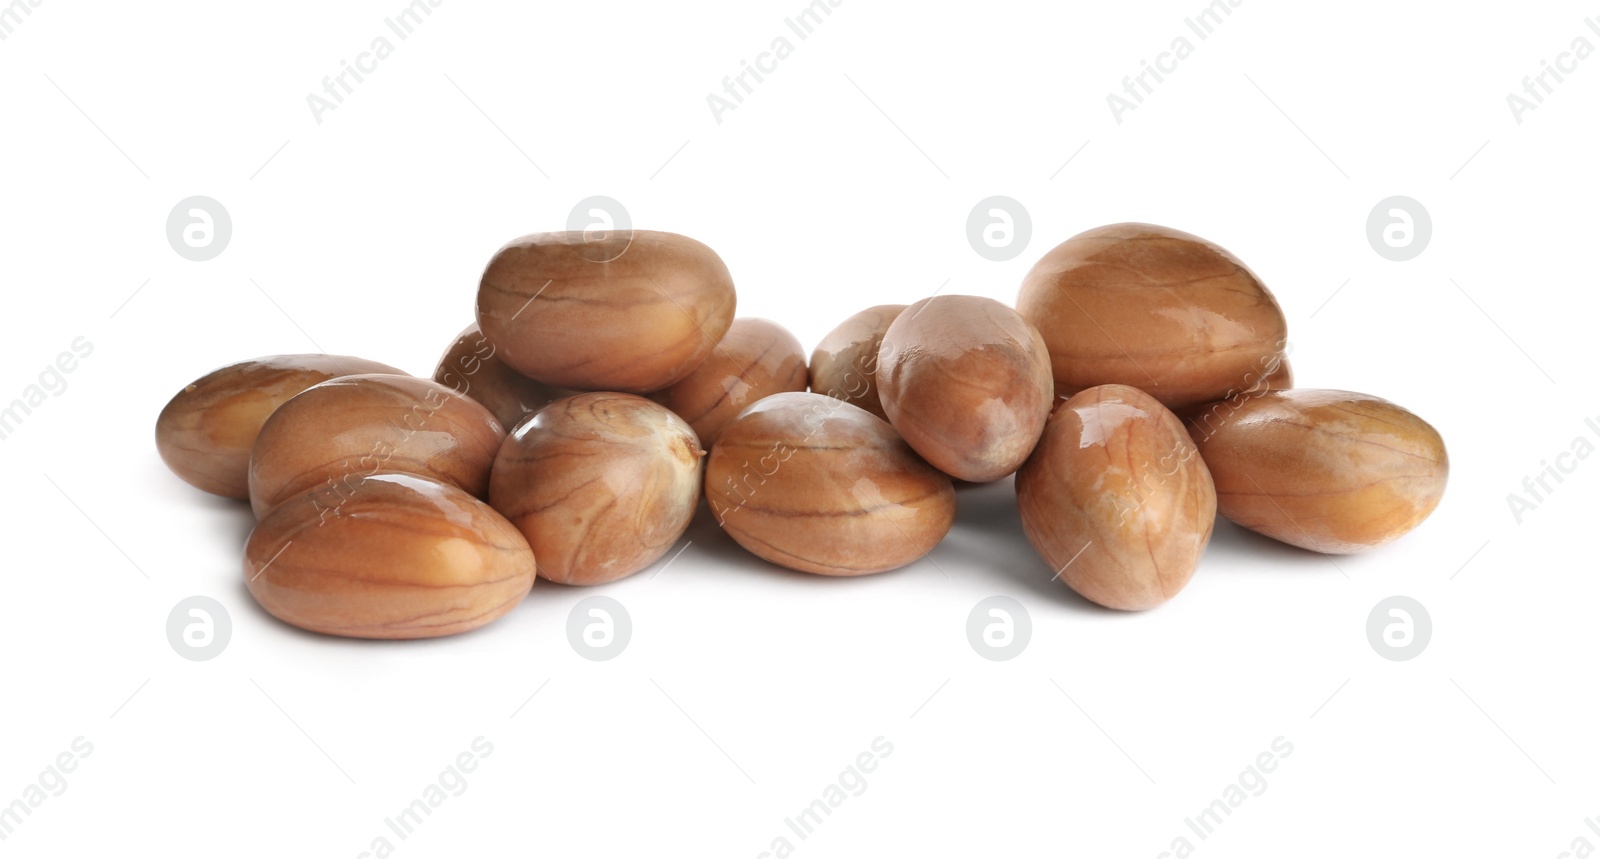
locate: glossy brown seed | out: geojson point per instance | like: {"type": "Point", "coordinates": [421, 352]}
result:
{"type": "Point", "coordinates": [470, 366]}
{"type": "Point", "coordinates": [756, 359]}
{"type": "Point", "coordinates": [844, 365]}
{"type": "Point", "coordinates": [1154, 308]}
{"type": "Point", "coordinates": [1329, 471]}
{"type": "Point", "coordinates": [206, 431]}
{"type": "Point", "coordinates": [343, 429]}
{"type": "Point", "coordinates": [621, 311]}
{"type": "Point", "coordinates": [966, 381]}
{"type": "Point", "coordinates": [1116, 499]}
{"type": "Point", "coordinates": [601, 484]}
{"type": "Point", "coordinates": [818, 485]}
{"type": "Point", "coordinates": [405, 557]}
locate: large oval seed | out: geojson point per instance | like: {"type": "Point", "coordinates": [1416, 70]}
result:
{"type": "Point", "coordinates": [1116, 499]}
{"type": "Point", "coordinates": [206, 431]}
{"type": "Point", "coordinates": [1330, 471]}
{"type": "Point", "coordinates": [405, 557]}
{"type": "Point", "coordinates": [815, 484]}
{"type": "Point", "coordinates": [344, 429]}
{"type": "Point", "coordinates": [632, 310]}
{"type": "Point", "coordinates": [966, 382]}
{"type": "Point", "coordinates": [1153, 308]}
{"type": "Point", "coordinates": [601, 484]}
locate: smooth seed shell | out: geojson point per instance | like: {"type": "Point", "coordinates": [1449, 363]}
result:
{"type": "Point", "coordinates": [1153, 308]}
{"type": "Point", "coordinates": [1330, 471]}
{"type": "Point", "coordinates": [631, 310]}
{"type": "Point", "coordinates": [815, 484]}
{"type": "Point", "coordinates": [601, 484]}
{"type": "Point", "coordinates": [356, 426]}
{"type": "Point", "coordinates": [966, 381]}
{"type": "Point", "coordinates": [405, 557]}
{"type": "Point", "coordinates": [206, 431]}
{"type": "Point", "coordinates": [1116, 499]}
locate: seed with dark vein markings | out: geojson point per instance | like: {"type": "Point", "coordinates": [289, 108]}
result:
{"type": "Point", "coordinates": [330, 435]}
{"type": "Point", "coordinates": [627, 311]}
{"type": "Point", "coordinates": [1155, 308]}
{"type": "Point", "coordinates": [406, 557]}
{"type": "Point", "coordinates": [601, 484]}
{"type": "Point", "coordinates": [206, 431]}
{"type": "Point", "coordinates": [1116, 499]}
{"type": "Point", "coordinates": [815, 484]}
{"type": "Point", "coordinates": [1329, 471]}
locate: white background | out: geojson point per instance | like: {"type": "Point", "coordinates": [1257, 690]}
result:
{"type": "Point", "coordinates": [843, 180]}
